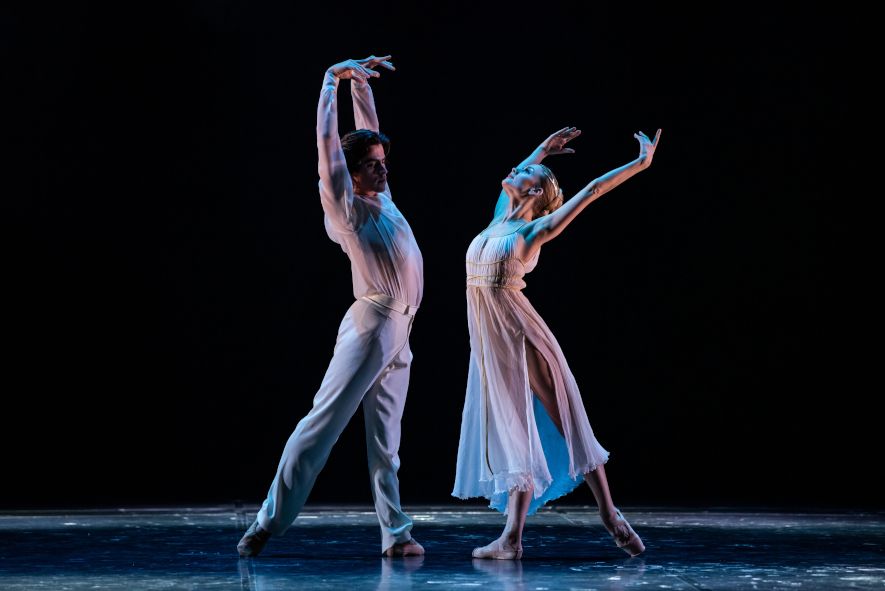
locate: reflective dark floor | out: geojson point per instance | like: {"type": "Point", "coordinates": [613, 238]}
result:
{"type": "Point", "coordinates": [337, 548]}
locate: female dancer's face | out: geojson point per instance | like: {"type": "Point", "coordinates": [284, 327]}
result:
{"type": "Point", "coordinates": [523, 183]}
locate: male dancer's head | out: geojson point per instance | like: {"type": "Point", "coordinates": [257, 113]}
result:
{"type": "Point", "coordinates": [366, 154]}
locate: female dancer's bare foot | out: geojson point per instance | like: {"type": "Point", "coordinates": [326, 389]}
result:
{"type": "Point", "coordinates": [408, 548]}
{"type": "Point", "coordinates": [503, 548]}
{"type": "Point", "coordinates": [624, 536]}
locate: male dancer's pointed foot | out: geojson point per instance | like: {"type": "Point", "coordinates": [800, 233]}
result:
{"type": "Point", "coordinates": [407, 548]}
{"type": "Point", "coordinates": [253, 541]}
{"type": "Point", "coordinates": [500, 549]}
{"type": "Point", "coordinates": [624, 536]}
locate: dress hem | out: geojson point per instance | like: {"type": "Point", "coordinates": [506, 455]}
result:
{"type": "Point", "coordinates": [560, 488]}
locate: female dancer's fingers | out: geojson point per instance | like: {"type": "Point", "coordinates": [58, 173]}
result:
{"type": "Point", "coordinates": [388, 65]}
{"type": "Point", "coordinates": [657, 137]}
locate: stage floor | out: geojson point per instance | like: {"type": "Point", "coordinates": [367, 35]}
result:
{"type": "Point", "coordinates": [338, 548]}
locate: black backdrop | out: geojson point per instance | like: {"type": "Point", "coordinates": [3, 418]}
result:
{"type": "Point", "coordinates": [172, 298]}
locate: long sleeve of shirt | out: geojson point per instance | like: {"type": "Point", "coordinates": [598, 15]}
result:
{"type": "Point", "coordinates": [364, 112]}
{"type": "Point", "coordinates": [364, 105]}
{"type": "Point", "coordinates": [336, 187]}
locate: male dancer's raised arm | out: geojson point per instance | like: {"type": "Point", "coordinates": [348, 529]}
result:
{"type": "Point", "coordinates": [336, 186]}
{"type": "Point", "coordinates": [364, 112]}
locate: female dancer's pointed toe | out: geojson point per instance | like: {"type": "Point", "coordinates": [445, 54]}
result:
{"type": "Point", "coordinates": [624, 536]}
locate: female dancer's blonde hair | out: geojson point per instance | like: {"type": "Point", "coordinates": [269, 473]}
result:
{"type": "Point", "coordinates": [551, 199]}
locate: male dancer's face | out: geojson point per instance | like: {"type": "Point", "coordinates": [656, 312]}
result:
{"type": "Point", "coordinates": [370, 176]}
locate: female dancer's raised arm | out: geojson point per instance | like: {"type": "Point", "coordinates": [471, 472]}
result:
{"type": "Point", "coordinates": [545, 228]}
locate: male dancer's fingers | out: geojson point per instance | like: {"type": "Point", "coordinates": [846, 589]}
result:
{"type": "Point", "coordinates": [657, 137]}
{"type": "Point", "coordinates": [367, 73]}
{"type": "Point", "coordinates": [388, 65]}
{"type": "Point", "coordinates": [372, 61]}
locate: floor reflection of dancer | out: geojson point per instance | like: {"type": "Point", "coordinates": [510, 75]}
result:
{"type": "Point", "coordinates": [397, 574]}
{"type": "Point", "coordinates": [371, 361]}
{"type": "Point", "coordinates": [507, 574]}
{"type": "Point", "coordinates": [525, 437]}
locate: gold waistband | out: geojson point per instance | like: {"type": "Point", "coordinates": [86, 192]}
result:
{"type": "Point", "coordinates": [389, 302]}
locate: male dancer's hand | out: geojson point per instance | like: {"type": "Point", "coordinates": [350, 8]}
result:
{"type": "Point", "coordinates": [555, 144]}
{"type": "Point", "coordinates": [362, 69]}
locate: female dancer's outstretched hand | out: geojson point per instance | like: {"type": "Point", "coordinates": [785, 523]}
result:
{"type": "Point", "coordinates": [555, 144]}
{"type": "Point", "coordinates": [362, 69]}
{"type": "Point", "coordinates": [647, 146]}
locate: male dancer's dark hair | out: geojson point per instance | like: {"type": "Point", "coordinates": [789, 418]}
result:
{"type": "Point", "coordinates": [356, 145]}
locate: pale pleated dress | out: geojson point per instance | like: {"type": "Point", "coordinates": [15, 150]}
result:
{"type": "Point", "coordinates": [507, 438]}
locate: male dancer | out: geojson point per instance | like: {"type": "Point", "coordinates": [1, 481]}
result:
{"type": "Point", "coordinates": [371, 359]}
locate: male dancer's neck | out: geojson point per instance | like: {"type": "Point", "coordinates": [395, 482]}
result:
{"type": "Point", "coordinates": [367, 195]}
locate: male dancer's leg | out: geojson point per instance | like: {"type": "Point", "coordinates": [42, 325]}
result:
{"type": "Point", "coordinates": [367, 340]}
{"type": "Point", "coordinates": [383, 410]}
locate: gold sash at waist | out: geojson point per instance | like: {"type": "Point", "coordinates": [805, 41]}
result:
{"type": "Point", "coordinates": [389, 302]}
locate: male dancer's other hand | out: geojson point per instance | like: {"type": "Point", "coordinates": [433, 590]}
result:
{"type": "Point", "coordinates": [555, 144]}
{"type": "Point", "coordinates": [361, 70]}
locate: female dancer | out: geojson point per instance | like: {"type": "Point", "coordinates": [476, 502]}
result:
{"type": "Point", "coordinates": [525, 437]}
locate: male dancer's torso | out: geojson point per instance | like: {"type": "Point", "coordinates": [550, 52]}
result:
{"type": "Point", "coordinates": [384, 256]}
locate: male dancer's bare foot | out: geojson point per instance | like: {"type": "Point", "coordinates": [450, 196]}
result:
{"type": "Point", "coordinates": [253, 541]}
{"type": "Point", "coordinates": [409, 548]}
{"type": "Point", "coordinates": [624, 536]}
{"type": "Point", "coordinates": [503, 548]}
